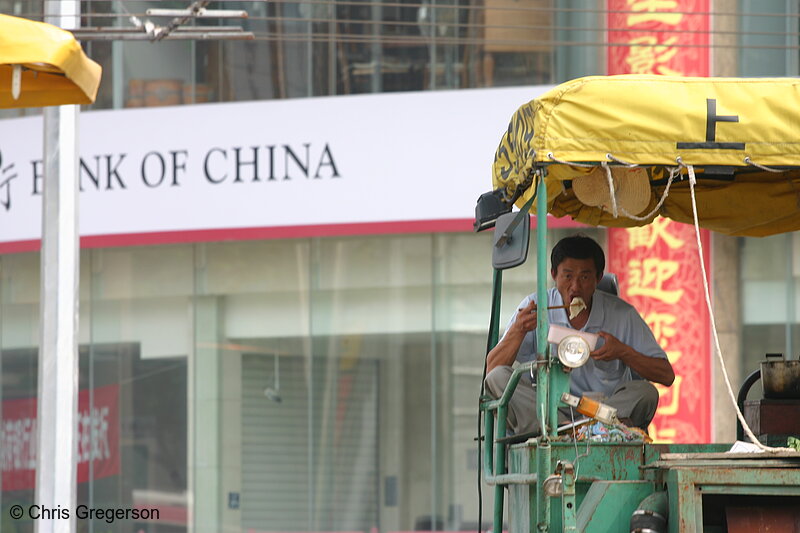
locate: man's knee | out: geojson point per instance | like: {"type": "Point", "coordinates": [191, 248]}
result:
{"type": "Point", "coordinates": [637, 400]}
{"type": "Point", "coordinates": [650, 394]}
{"type": "Point", "coordinates": [521, 405]}
{"type": "Point", "coordinates": [497, 379]}
{"type": "Point", "coordinates": [647, 393]}
{"type": "Point", "coordinates": [648, 403]}
{"type": "Point", "coordinates": [639, 388]}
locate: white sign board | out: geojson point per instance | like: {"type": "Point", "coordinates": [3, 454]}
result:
{"type": "Point", "coordinates": [217, 169]}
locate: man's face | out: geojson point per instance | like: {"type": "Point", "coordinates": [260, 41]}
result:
{"type": "Point", "coordinates": [576, 277]}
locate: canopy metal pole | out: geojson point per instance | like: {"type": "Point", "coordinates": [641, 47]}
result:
{"type": "Point", "coordinates": [543, 396]}
{"type": "Point", "coordinates": [56, 474]}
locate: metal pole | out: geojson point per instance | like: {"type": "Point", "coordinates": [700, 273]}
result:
{"type": "Point", "coordinates": [542, 376]}
{"type": "Point", "coordinates": [494, 334]}
{"type": "Point", "coordinates": [435, 478]}
{"type": "Point", "coordinates": [543, 470]}
{"type": "Point", "coordinates": [432, 81]}
{"type": "Point", "coordinates": [1, 374]}
{"type": "Point", "coordinates": [58, 350]}
{"type": "Point", "coordinates": [500, 467]}
{"type": "Point", "coordinates": [790, 312]}
{"type": "Point", "coordinates": [376, 52]}
{"type": "Point", "coordinates": [118, 65]}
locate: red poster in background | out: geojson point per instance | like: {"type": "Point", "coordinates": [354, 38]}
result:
{"type": "Point", "coordinates": [658, 265]}
{"type": "Point", "coordinates": [98, 438]}
{"type": "Point", "coordinates": [667, 37]}
{"type": "Point", "coordinates": [659, 274]}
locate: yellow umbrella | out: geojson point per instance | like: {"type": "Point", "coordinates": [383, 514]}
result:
{"type": "Point", "coordinates": [43, 65]}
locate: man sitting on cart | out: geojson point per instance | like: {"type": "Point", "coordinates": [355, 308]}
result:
{"type": "Point", "coordinates": [619, 371]}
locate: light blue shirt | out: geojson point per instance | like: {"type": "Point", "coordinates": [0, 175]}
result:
{"type": "Point", "coordinates": [610, 314]}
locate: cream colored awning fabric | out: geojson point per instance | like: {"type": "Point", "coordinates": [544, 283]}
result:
{"type": "Point", "coordinates": [53, 68]}
{"type": "Point", "coordinates": [721, 126]}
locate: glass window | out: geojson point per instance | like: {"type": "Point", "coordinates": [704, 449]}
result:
{"type": "Point", "coordinates": [768, 39]}
{"type": "Point", "coordinates": [132, 403]}
{"type": "Point", "coordinates": [770, 271]}
{"type": "Point", "coordinates": [135, 369]}
{"type": "Point", "coordinates": [252, 444]}
{"type": "Point", "coordinates": [19, 332]}
{"type": "Point", "coordinates": [310, 384]}
{"type": "Point", "coordinates": [320, 49]}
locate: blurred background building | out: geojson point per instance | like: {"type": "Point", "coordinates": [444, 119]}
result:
{"type": "Point", "coordinates": [315, 364]}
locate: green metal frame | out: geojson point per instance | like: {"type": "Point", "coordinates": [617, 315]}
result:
{"type": "Point", "coordinates": [548, 389]}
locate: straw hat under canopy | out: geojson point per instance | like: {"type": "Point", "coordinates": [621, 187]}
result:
{"type": "Point", "coordinates": [631, 189]}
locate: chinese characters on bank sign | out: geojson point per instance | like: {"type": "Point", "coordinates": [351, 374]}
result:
{"type": "Point", "coordinates": [658, 264]}
{"type": "Point", "coordinates": [98, 438]}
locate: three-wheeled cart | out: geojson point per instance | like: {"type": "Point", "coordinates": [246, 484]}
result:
{"type": "Point", "coordinates": [719, 153]}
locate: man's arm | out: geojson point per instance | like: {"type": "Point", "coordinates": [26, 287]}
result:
{"type": "Point", "coordinates": [650, 368]}
{"type": "Point", "coordinates": [506, 350]}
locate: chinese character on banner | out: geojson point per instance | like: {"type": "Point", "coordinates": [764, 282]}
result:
{"type": "Point", "coordinates": [659, 274]}
{"type": "Point", "coordinates": [657, 264]}
{"type": "Point", "coordinates": [669, 37]}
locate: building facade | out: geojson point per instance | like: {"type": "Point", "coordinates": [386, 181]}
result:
{"type": "Point", "coordinates": [283, 308]}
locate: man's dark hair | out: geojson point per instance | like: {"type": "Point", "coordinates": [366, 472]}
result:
{"type": "Point", "coordinates": [578, 246]}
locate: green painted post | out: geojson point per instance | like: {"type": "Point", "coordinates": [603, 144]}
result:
{"type": "Point", "coordinates": [488, 449]}
{"type": "Point", "coordinates": [497, 284]}
{"type": "Point", "coordinates": [559, 384]}
{"type": "Point", "coordinates": [499, 468]}
{"type": "Point", "coordinates": [568, 508]}
{"type": "Point", "coordinates": [542, 380]}
{"type": "Point", "coordinates": [542, 374]}
{"type": "Point", "coordinates": [543, 469]}
{"type": "Point", "coordinates": [500, 450]}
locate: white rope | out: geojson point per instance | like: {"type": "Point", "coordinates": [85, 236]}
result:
{"type": "Point", "coordinates": [578, 456]}
{"type": "Point", "coordinates": [575, 440]}
{"type": "Point", "coordinates": [752, 163]}
{"type": "Point", "coordinates": [611, 192]}
{"type": "Point", "coordinates": [621, 162]}
{"type": "Point", "coordinates": [747, 430]}
{"type": "Point", "coordinates": [673, 171]}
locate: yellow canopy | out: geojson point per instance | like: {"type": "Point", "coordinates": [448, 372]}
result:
{"type": "Point", "coordinates": [729, 129]}
{"type": "Point", "coordinates": [55, 71]}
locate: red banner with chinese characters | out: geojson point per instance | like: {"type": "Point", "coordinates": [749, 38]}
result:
{"type": "Point", "coordinates": [659, 274]}
{"type": "Point", "coordinates": [98, 438]}
{"type": "Point", "coordinates": [667, 37]}
{"type": "Point", "coordinates": [658, 265]}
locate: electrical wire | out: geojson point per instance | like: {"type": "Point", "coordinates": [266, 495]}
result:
{"type": "Point", "coordinates": [551, 9]}
{"type": "Point", "coordinates": [93, 10]}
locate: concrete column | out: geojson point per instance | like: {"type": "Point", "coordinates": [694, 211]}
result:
{"type": "Point", "coordinates": [724, 54]}
{"type": "Point", "coordinates": [205, 411]}
{"type": "Point", "coordinates": [392, 438]}
{"type": "Point", "coordinates": [417, 439]}
{"type": "Point", "coordinates": [230, 431]}
{"type": "Point", "coordinates": [725, 260]}
{"type": "Point", "coordinates": [725, 250]}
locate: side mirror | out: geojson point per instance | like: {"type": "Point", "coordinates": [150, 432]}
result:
{"type": "Point", "coordinates": [511, 235]}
